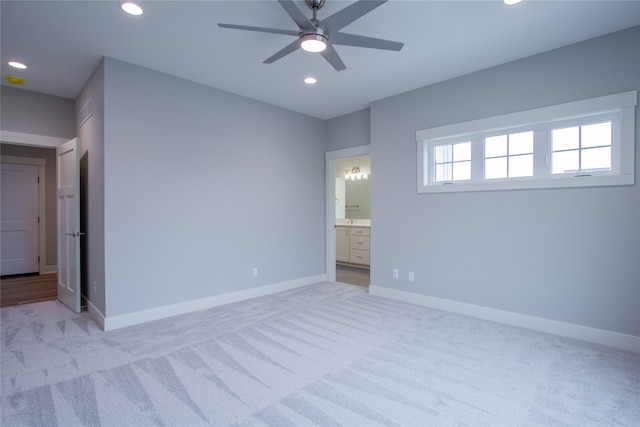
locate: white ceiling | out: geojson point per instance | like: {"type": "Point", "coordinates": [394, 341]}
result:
{"type": "Point", "coordinates": [63, 41]}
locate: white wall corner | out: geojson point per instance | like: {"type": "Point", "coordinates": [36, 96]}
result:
{"type": "Point", "coordinates": [569, 330]}
{"type": "Point", "coordinates": [138, 317]}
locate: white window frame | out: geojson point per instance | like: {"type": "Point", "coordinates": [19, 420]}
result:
{"type": "Point", "coordinates": [619, 107]}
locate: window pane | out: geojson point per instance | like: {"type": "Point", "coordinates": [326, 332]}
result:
{"type": "Point", "coordinates": [565, 161]}
{"type": "Point", "coordinates": [495, 146]}
{"type": "Point", "coordinates": [443, 153]}
{"type": "Point", "coordinates": [596, 135]}
{"type": "Point", "coordinates": [462, 151]}
{"type": "Point", "coordinates": [521, 165]}
{"type": "Point", "coordinates": [596, 158]}
{"type": "Point", "coordinates": [443, 172]}
{"type": "Point", "coordinates": [565, 139]}
{"type": "Point", "coordinates": [461, 171]}
{"type": "Point", "coordinates": [521, 143]}
{"type": "Point", "coordinates": [495, 168]}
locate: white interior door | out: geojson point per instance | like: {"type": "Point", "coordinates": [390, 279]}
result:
{"type": "Point", "coordinates": [19, 219]}
{"type": "Point", "coordinates": [68, 208]}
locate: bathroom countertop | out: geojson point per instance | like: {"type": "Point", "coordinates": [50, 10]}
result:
{"type": "Point", "coordinates": [356, 223]}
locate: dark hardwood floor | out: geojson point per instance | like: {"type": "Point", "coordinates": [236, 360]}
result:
{"type": "Point", "coordinates": [352, 275]}
{"type": "Point", "coordinates": [27, 289]}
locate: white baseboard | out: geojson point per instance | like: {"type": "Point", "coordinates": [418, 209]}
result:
{"type": "Point", "coordinates": [49, 269]}
{"type": "Point", "coordinates": [135, 318]}
{"type": "Point", "coordinates": [95, 313]}
{"type": "Point", "coordinates": [569, 330]}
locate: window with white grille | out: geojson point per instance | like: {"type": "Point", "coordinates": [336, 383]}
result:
{"type": "Point", "coordinates": [583, 143]}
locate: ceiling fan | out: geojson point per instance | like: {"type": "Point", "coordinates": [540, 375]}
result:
{"type": "Point", "coordinates": [315, 35]}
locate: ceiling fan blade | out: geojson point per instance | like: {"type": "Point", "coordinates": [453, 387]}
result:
{"type": "Point", "coordinates": [346, 16]}
{"type": "Point", "coordinates": [296, 14]}
{"type": "Point", "coordinates": [346, 39]}
{"type": "Point", "coordinates": [292, 47]}
{"type": "Point", "coordinates": [260, 29]}
{"type": "Point", "coordinates": [333, 58]}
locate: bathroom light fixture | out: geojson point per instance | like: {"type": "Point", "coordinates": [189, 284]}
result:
{"type": "Point", "coordinates": [16, 64]}
{"type": "Point", "coordinates": [314, 42]}
{"type": "Point", "coordinates": [310, 80]}
{"type": "Point", "coordinates": [510, 2]}
{"type": "Point", "coordinates": [131, 8]}
{"type": "Point", "coordinates": [354, 174]}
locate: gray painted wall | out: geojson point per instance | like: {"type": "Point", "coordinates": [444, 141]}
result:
{"type": "Point", "coordinates": [36, 113]}
{"type": "Point", "coordinates": [348, 131]}
{"type": "Point", "coordinates": [92, 190]}
{"type": "Point", "coordinates": [569, 255]}
{"type": "Point", "coordinates": [200, 186]}
{"type": "Point", "coordinates": [49, 155]}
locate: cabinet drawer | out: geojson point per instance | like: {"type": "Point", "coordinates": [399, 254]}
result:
{"type": "Point", "coordinates": [358, 256]}
{"type": "Point", "coordinates": [360, 231]}
{"type": "Point", "coordinates": [360, 242]}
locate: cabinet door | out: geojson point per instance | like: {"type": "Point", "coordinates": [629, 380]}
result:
{"type": "Point", "coordinates": [342, 244]}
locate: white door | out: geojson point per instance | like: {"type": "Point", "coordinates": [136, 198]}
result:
{"type": "Point", "coordinates": [68, 208]}
{"type": "Point", "coordinates": [19, 219]}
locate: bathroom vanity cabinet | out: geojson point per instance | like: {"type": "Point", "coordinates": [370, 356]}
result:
{"type": "Point", "coordinates": [352, 245]}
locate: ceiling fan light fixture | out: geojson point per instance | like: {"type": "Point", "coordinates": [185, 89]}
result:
{"type": "Point", "coordinates": [313, 42]}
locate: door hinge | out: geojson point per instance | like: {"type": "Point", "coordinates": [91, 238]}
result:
{"type": "Point", "coordinates": [38, 260]}
{"type": "Point", "coordinates": [38, 220]}
{"type": "Point", "coordinates": [38, 180]}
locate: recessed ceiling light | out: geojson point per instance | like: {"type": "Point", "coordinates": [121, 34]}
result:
{"type": "Point", "coordinates": [16, 64]}
{"type": "Point", "coordinates": [131, 8]}
{"type": "Point", "coordinates": [512, 1]}
{"type": "Point", "coordinates": [310, 80]}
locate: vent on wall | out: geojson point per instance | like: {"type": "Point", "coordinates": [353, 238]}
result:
{"type": "Point", "coordinates": [85, 112]}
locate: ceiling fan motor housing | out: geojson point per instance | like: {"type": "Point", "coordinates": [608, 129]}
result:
{"type": "Point", "coordinates": [315, 4]}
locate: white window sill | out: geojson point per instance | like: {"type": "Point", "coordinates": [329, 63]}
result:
{"type": "Point", "coordinates": [573, 182]}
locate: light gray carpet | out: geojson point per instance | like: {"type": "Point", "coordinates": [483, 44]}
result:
{"type": "Point", "coordinates": [327, 354]}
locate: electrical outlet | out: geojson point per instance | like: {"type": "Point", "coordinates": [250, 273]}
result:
{"type": "Point", "coordinates": [395, 273]}
{"type": "Point", "coordinates": [255, 272]}
{"type": "Point", "coordinates": [412, 277]}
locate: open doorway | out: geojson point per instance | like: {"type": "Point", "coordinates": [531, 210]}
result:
{"type": "Point", "coordinates": [43, 247]}
{"type": "Point", "coordinates": [28, 238]}
{"type": "Point", "coordinates": [348, 225]}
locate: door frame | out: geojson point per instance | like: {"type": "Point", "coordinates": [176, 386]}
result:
{"type": "Point", "coordinates": [42, 211]}
{"type": "Point", "coordinates": [330, 206]}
